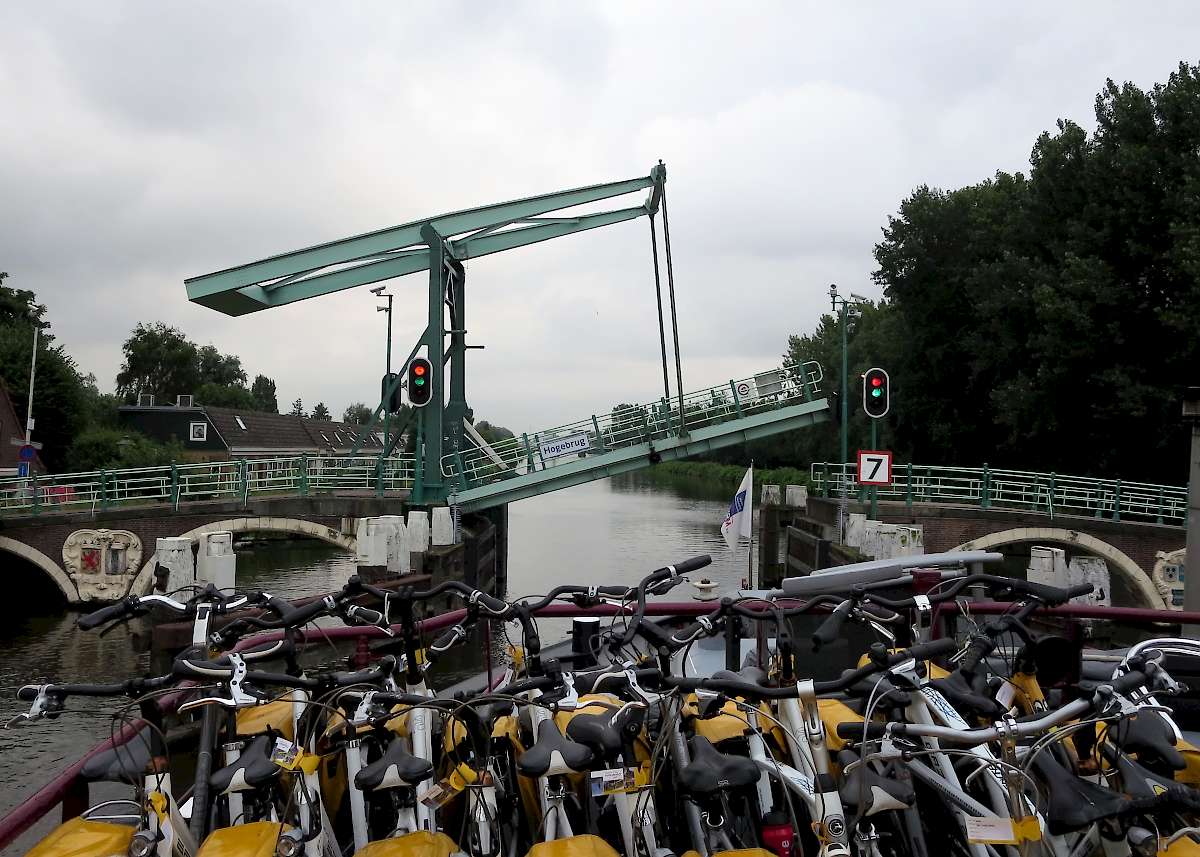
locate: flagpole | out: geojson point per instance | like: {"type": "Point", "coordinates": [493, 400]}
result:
{"type": "Point", "coordinates": [750, 551]}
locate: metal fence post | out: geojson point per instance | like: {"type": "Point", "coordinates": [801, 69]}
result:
{"type": "Point", "coordinates": [103, 489]}
{"type": "Point", "coordinates": [1050, 498]}
{"type": "Point", "coordinates": [37, 502]}
{"type": "Point", "coordinates": [737, 400]}
{"type": "Point", "coordinates": [986, 500]}
{"type": "Point", "coordinates": [175, 486]}
{"type": "Point", "coordinates": [1159, 518]}
{"type": "Point", "coordinates": [304, 475]}
{"type": "Point", "coordinates": [908, 491]}
{"type": "Point", "coordinates": [528, 452]}
{"type": "Point", "coordinates": [1117, 502]}
{"type": "Point", "coordinates": [244, 476]}
{"type": "Point", "coordinates": [599, 437]}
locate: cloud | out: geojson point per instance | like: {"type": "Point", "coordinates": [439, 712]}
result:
{"type": "Point", "coordinates": [143, 143]}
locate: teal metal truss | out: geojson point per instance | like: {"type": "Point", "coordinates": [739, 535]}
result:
{"type": "Point", "coordinates": [439, 245]}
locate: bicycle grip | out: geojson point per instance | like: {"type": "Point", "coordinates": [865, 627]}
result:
{"type": "Point", "coordinates": [694, 564]}
{"type": "Point", "coordinates": [861, 731]}
{"type": "Point", "coordinates": [831, 628]}
{"type": "Point", "coordinates": [1129, 682]}
{"type": "Point", "coordinates": [932, 649]}
{"type": "Point", "coordinates": [28, 693]}
{"type": "Point", "coordinates": [106, 614]}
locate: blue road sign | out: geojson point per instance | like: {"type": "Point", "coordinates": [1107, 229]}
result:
{"type": "Point", "coordinates": [25, 453]}
{"type": "Point", "coordinates": [23, 468]}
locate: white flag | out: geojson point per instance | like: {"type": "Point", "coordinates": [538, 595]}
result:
{"type": "Point", "coordinates": [741, 511]}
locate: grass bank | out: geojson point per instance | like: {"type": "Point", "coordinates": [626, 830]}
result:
{"type": "Point", "coordinates": [726, 476]}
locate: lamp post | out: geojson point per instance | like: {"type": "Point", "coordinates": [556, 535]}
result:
{"type": "Point", "coordinates": [378, 291]}
{"type": "Point", "coordinates": [843, 308]}
{"type": "Point", "coordinates": [1191, 557]}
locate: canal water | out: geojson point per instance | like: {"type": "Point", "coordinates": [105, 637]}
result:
{"type": "Point", "coordinates": [610, 531]}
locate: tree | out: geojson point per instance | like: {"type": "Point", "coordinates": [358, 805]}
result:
{"type": "Point", "coordinates": [358, 414]}
{"type": "Point", "coordinates": [492, 434]}
{"type": "Point", "coordinates": [105, 448]}
{"type": "Point", "coordinates": [221, 396]}
{"type": "Point", "coordinates": [263, 392]}
{"type": "Point", "coordinates": [297, 408]}
{"type": "Point", "coordinates": [59, 402]}
{"type": "Point", "coordinates": [320, 412]}
{"type": "Point", "coordinates": [222, 369]}
{"type": "Point", "coordinates": [159, 360]}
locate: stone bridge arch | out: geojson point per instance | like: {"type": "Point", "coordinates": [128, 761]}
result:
{"type": "Point", "coordinates": [48, 566]}
{"type": "Point", "coordinates": [292, 526]}
{"type": "Point", "coordinates": [1140, 584]}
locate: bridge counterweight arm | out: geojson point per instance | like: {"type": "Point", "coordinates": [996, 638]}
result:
{"type": "Point", "coordinates": [395, 252]}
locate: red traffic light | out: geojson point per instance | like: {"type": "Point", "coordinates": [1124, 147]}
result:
{"type": "Point", "coordinates": [876, 396]}
{"type": "Point", "coordinates": [418, 369]}
{"type": "Point", "coordinates": [876, 381]}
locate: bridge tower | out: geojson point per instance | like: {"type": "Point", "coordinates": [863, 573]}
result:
{"type": "Point", "coordinates": [438, 245]}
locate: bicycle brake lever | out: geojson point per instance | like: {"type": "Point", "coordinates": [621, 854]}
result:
{"type": "Point", "coordinates": [13, 722]}
{"type": "Point", "coordinates": [237, 698]}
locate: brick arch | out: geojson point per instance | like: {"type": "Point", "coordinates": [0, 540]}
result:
{"type": "Point", "coordinates": [47, 565]}
{"type": "Point", "coordinates": [1139, 581]}
{"type": "Point", "coordinates": [293, 526]}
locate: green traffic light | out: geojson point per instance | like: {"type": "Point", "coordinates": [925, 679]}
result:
{"type": "Point", "coordinates": [877, 392]}
{"type": "Point", "coordinates": [420, 382]}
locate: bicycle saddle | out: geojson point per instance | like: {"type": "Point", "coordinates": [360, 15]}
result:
{"type": "Point", "coordinates": [749, 675]}
{"type": "Point", "coordinates": [866, 791]}
{"type": "Point", "coordinates": [1074, 803]}
{"type": "Point", "coordinates": [395, 768]}
{"type": "Point", "coordinates": [125, 763]}
{"type": "Point", "coordinates": [553, 754]}
{"type": "Point", "coordinates": [711, 770]}
{"type": "Point", "coordinates": [596, 732]}
{"type": "Point", "coordinates": [1152, 738]}
{"type": "Point", "coordinates": [252, 770]}
{"type": "Point", "coordinates": [966, 699]}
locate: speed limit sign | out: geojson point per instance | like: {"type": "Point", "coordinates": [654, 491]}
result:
{"type": "Point", "coordinates": [874, 467]}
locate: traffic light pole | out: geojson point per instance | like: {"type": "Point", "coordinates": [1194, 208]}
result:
{"type": "Point", "coordinates": [874, 488]}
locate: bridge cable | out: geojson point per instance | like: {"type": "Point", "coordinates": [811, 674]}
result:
{"type": "Point", "coordinates": [674, 320]}
{"type": "Point", "coordinates": [662, 333]}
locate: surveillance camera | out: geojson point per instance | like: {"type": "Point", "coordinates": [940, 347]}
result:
{"type": "Point", "coordinates": [378, 290]}
{"type": "Point", "coordinates": [858, 297]}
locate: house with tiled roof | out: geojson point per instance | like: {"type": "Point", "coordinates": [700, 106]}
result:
{"type": "Point", "coordinates": [217, 434]}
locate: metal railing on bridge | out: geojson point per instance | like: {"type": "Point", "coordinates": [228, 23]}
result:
{"type": "Point", "coordinates": [173, 484]}
{"type": "Point", "coordinates": [630, 425]}
{"type": "Point", "coordinates": [985, 487]}
{"type": "Point", "coordinates": [241, 479]}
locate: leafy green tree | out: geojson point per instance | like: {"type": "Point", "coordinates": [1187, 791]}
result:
{"type": "Point", "coordinates": [222, 369]}
{"type": "Point", "coordinates": [297, 408]}
{"type": "Point", "coordinates": [357, 413]}
{"type": "Point", "coordinates": [492, 434]}
{"type": "Point", "coordinates": [223, 396]}
{"type": "Point", "coordinates": [100, 408]}
{"type": "Point", "coordinates": [320, 412]}
{"type": "Point", "coordinates": [58, 400]}
{"type": "Point", "coordinates": [263, 391]}
{"type": "Point", "coordinates": [104, 448]}
{"type": "Point", "coordinates": [159, 360]}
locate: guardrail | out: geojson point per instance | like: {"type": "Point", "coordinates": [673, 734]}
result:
{"type": "Point", "coordinates": [985, 487]}
{"type": "Point", "coordinates": [630, 425]}
{"type": "Point", "coordinates": [218, 480]}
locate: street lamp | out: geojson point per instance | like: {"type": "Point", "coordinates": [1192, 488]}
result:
{"type": "Point", "coordinates": [843, 307]}
{"type": "Point", "coordinates": [378, 291]}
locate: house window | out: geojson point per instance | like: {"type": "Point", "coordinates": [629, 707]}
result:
{"type": "Point", "coordinates": [241, 424]}
{"type": "Point", "coordinates": [198, 432]}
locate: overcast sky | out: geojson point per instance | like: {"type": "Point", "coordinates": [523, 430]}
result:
{"type": "Point", "coordinates": [142, 143]}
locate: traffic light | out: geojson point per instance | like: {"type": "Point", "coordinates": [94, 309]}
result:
{"type": "Point", "coordinates": [877, 397]}
{"type": "Point", "coordinates": [394, 401]}
{"type": "Point", "coordinates": [420, 382]}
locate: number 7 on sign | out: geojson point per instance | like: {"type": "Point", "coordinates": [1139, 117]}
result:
{"type": "Point", "coordinates": [874, 467]}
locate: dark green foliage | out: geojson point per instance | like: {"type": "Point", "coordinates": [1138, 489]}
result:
{"type": "Point", "coordinates": [159, 360]}
{"type": "Point", "coordinates": [223, 396]}
{"type": "Point", "coordinates": [492, 434]}
{"type": "Point", "coordinates": [101, 448]}
{"type": "Point", "coordinates": [320, 412]}
{"type": "Point", "coordinates": [263, 391]}
{"type": "Point", "coordinates": [357, 413]}
{"type": "Point", "coordinates": [1049, 322]}
{"type": "Point", "coordinates": [297, 408]}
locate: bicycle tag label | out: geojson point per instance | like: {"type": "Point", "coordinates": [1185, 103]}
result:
{"type": "Point", "coordinates": [990, 831]}
{"type": "Point", "coordinates": [285, 754]}
{"type": "Point", "coordinates": [613, 781]}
